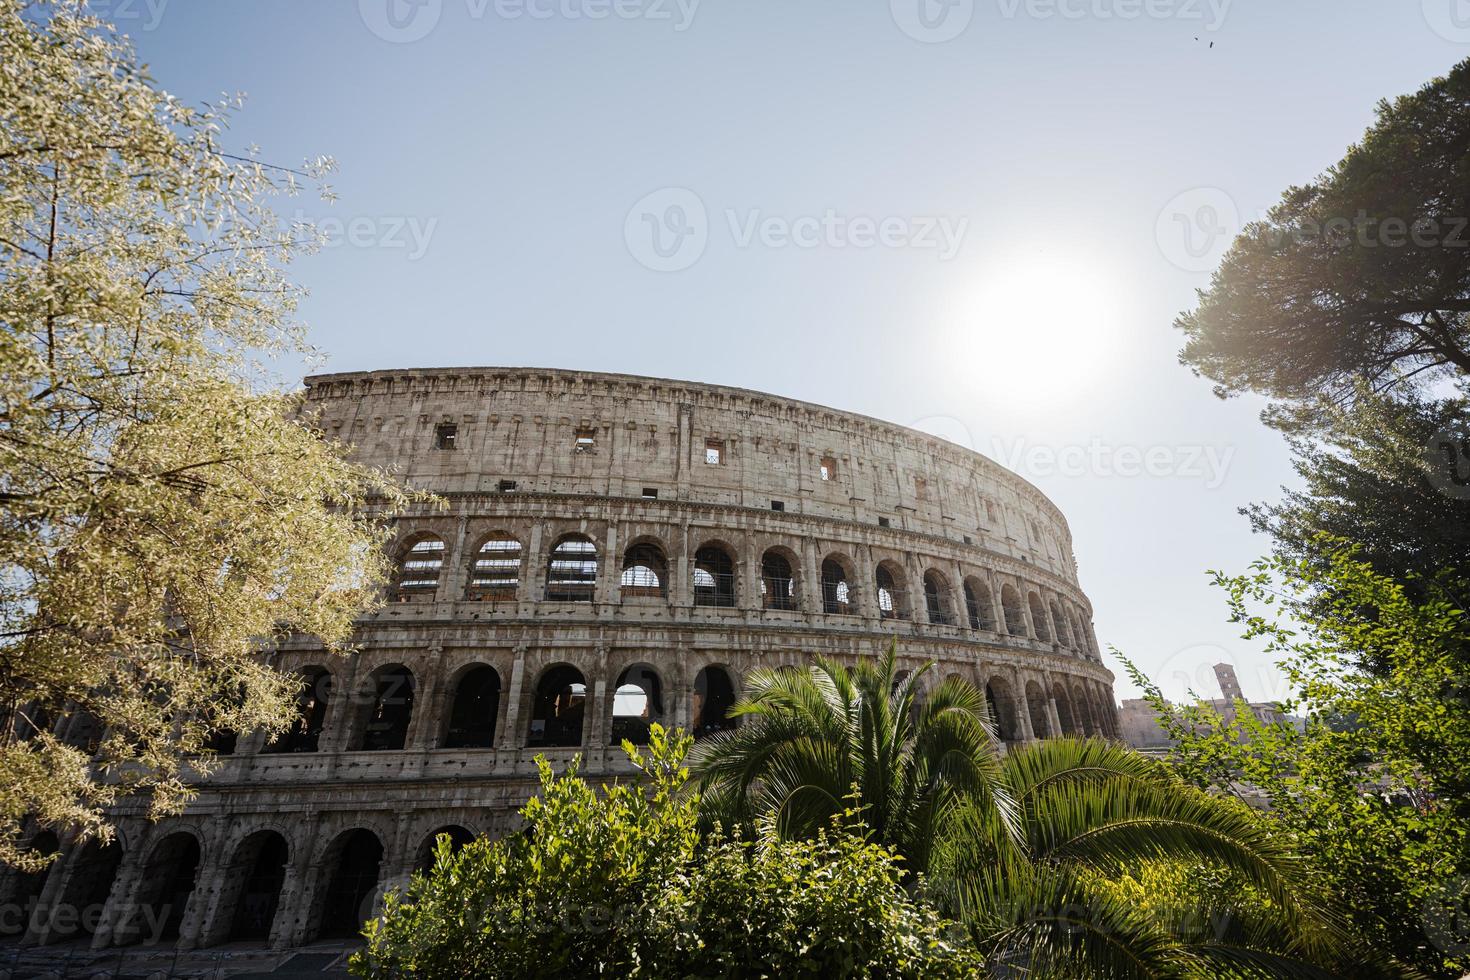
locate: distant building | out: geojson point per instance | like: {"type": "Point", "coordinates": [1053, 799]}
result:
{"type": "Point", "coordinates": [1139, 726]}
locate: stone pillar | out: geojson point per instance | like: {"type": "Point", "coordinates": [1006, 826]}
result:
{"type": "Point", "coordinates": [1053, 717]}
{"type": "Point", "coordinates": [121, 907]}
{"type": "Point", "coordinates": [457, 576]}
{"type": "Point", "coordinates": [38, 927]}
{"type": "Point", "coordinates": [423, 720]}
{"type": "Point", "coordinates": [809, 596]}
{"type": "Point", "coordinates": [533, 569]}
{"type": "Point", "coordinates": [1023, 708]}
{"type": "Point", "coordinates": [509, 740]}
{"type": "Point", "coordinates": [679, 565]}
{"type": "Point", "coordinates": [209, 881]}
{"type": "Point", "coordinates": [609, 573]}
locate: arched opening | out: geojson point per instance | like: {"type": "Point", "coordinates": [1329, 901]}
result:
{"type": "Point", "coordinates": [558, 708]}
{"type": "Point", "coordinates": [778, 583]}
{"type": "Point", "coordinates": [1038, 617]}
{"type": "Point", "coordinates": [892, 598]}
{"type": "Point", "coordinates": [645, 572]}
{"type": "Point", "coordinates": [1064, 631]}
{"type": "Point", "coordinates": [1036, 706]}
{"type": "Point", "coordinates": [1065, 720]}
{"type": "Point", "coordinates": [458, 836]}
{"type": "Point", "coordinates": [165, 890]}
{"type": "Point", "coordinates": [638, 702]}
{"type": "Point", "coordinates": [714, 696]}
{"type": "Point", "coordinates": [936, 599]}
{"type": "Point", "coordinates": [420, 566]}
{"type": "Point", "coordinates": [571, 573]}
{"type": "Point", "coordinates": [1010, 601]}
{"type": "Point", "coordinates": [92, 873]}
{"type": "Point", "coordinates": [495, 575]}
{"type": "Point", "coordinates": [714, 577]}
{"type": "Point", "coordinates": [305, 732]}
{"type": "Point", "coordinates": [1083, 709]}
{"type": "Point", "coordinates": [258, 870]}
{"type": "Point", "coordinates": [836, 593]}
{"type": "Point", "coordinates": [384, 725]}
{"type": "Point", "coordinates": [1079, 633]}
{"type": "Point", "coordinates": [978, 605]}
{"type": "Point", "coordinates": [999, 700]}
{"type": "Point", "coordinates": [351, 878]}
{"type": "Point", "coordinates": [473, 713]}
{"type": "Point", "coordinates": [26, 886]}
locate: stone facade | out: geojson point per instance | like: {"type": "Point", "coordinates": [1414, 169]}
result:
{"type": "Point", "coordinates": [611, 550]}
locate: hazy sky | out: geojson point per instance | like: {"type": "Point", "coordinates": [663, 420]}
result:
{"type": "Point", "coordinates": [978, 217]}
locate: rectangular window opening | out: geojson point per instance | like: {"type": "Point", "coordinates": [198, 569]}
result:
{"type": "Point", "coordinates": [650, 493]}
{"type": "Point", "coordinates": [714, 451]}
{"type": "Point", "coordinates": [883, 522]}
{"type": "Point", "coordinates": [445, 435]}
{"type": "Point", "coordinates": [829, 468]}
{"type": "Point", "coordinates": [586, 440]}
{"type": "Point", "coordinates": [778, 505]}
{"type": "Point", "coordinates": [507, 486]}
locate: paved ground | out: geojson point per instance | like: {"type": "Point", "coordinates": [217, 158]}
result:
{"type": "Point", "coordinates": [239, 961]}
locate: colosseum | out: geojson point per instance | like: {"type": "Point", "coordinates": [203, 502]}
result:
{"type": "Point", "coordinates": [610, 551]}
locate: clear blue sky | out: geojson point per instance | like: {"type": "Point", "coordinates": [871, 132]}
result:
{"type": "Point", "coordinates": [494, 169]}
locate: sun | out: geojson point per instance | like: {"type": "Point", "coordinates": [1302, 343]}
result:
{"type": "Point", "coordinates": [1037, 331]}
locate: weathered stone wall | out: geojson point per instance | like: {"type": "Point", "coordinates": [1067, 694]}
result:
{"type": "Point", "coordinates": [620, 462]}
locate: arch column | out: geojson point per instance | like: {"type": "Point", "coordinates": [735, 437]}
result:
{"type": "Point", "coordinates": [118, 912]}
{"type": "Point", "coordinates": [509, 740]}
{"type": "Point", "coordinates": [809, 597]}
{"type": "Point", "coordinates": [1021, 706]}
{"type": "Point", "coordinates": [208, 886]}
{"type": "Point", "coordinates": [594, 721]}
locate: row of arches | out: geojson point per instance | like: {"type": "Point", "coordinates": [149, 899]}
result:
{"type": "Point", "coordinates": [101, 894]}
{"type": "Point", "coordinates": [498, 574]}
{"type": "Point", "coordinates": [382, 716]}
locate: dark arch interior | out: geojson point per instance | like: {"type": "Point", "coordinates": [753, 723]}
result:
{"type": "Point", "coordinates": [385, 726]}
{"type": "Point", "coordinates": [305, 732]}
{"type": "Point", "coordinates": [458, 838]}
{"type": "Point", "coordinates": [168, 885]}
{"type": "Point", "coordinates": [935, 600]}
{"type": "Point", "coordinates": [638, 702]}
{"type": "Point", "coordinates": [93, 872]}
{"type": "Point", "coordinates": [27, 885]}
{"type": "Point", "coordinates": [890, 601]}
{"type": "Point", "coordinates": [714, 696]}
{"type": "Point", "coordinates": [778, 585]}
{"type": "Point", "coordinates": [350, 887]}
{"type": "Point", "coordinates": [558, 708]}
{"type": "Point", "coordinates": [714, 577]}
{"type": "Point", "coordinates": [836, 593]}
{"type": "Point", "coordinates": [999, 711]}
{"type": "Point", "coordinates": [1010, 600]}
{"type": "Point", "coordinates": [262, 860]}
{"type": "Point", "coordinates": [476, 703]}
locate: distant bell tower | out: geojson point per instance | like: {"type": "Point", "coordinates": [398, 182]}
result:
{"type": "Point", "coordinates": [1229, 684]}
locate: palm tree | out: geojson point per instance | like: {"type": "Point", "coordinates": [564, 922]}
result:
{"type": "Point", "coordinates": [818, 743]}
{"type": "Point", "coordinates": [1029, 849]}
